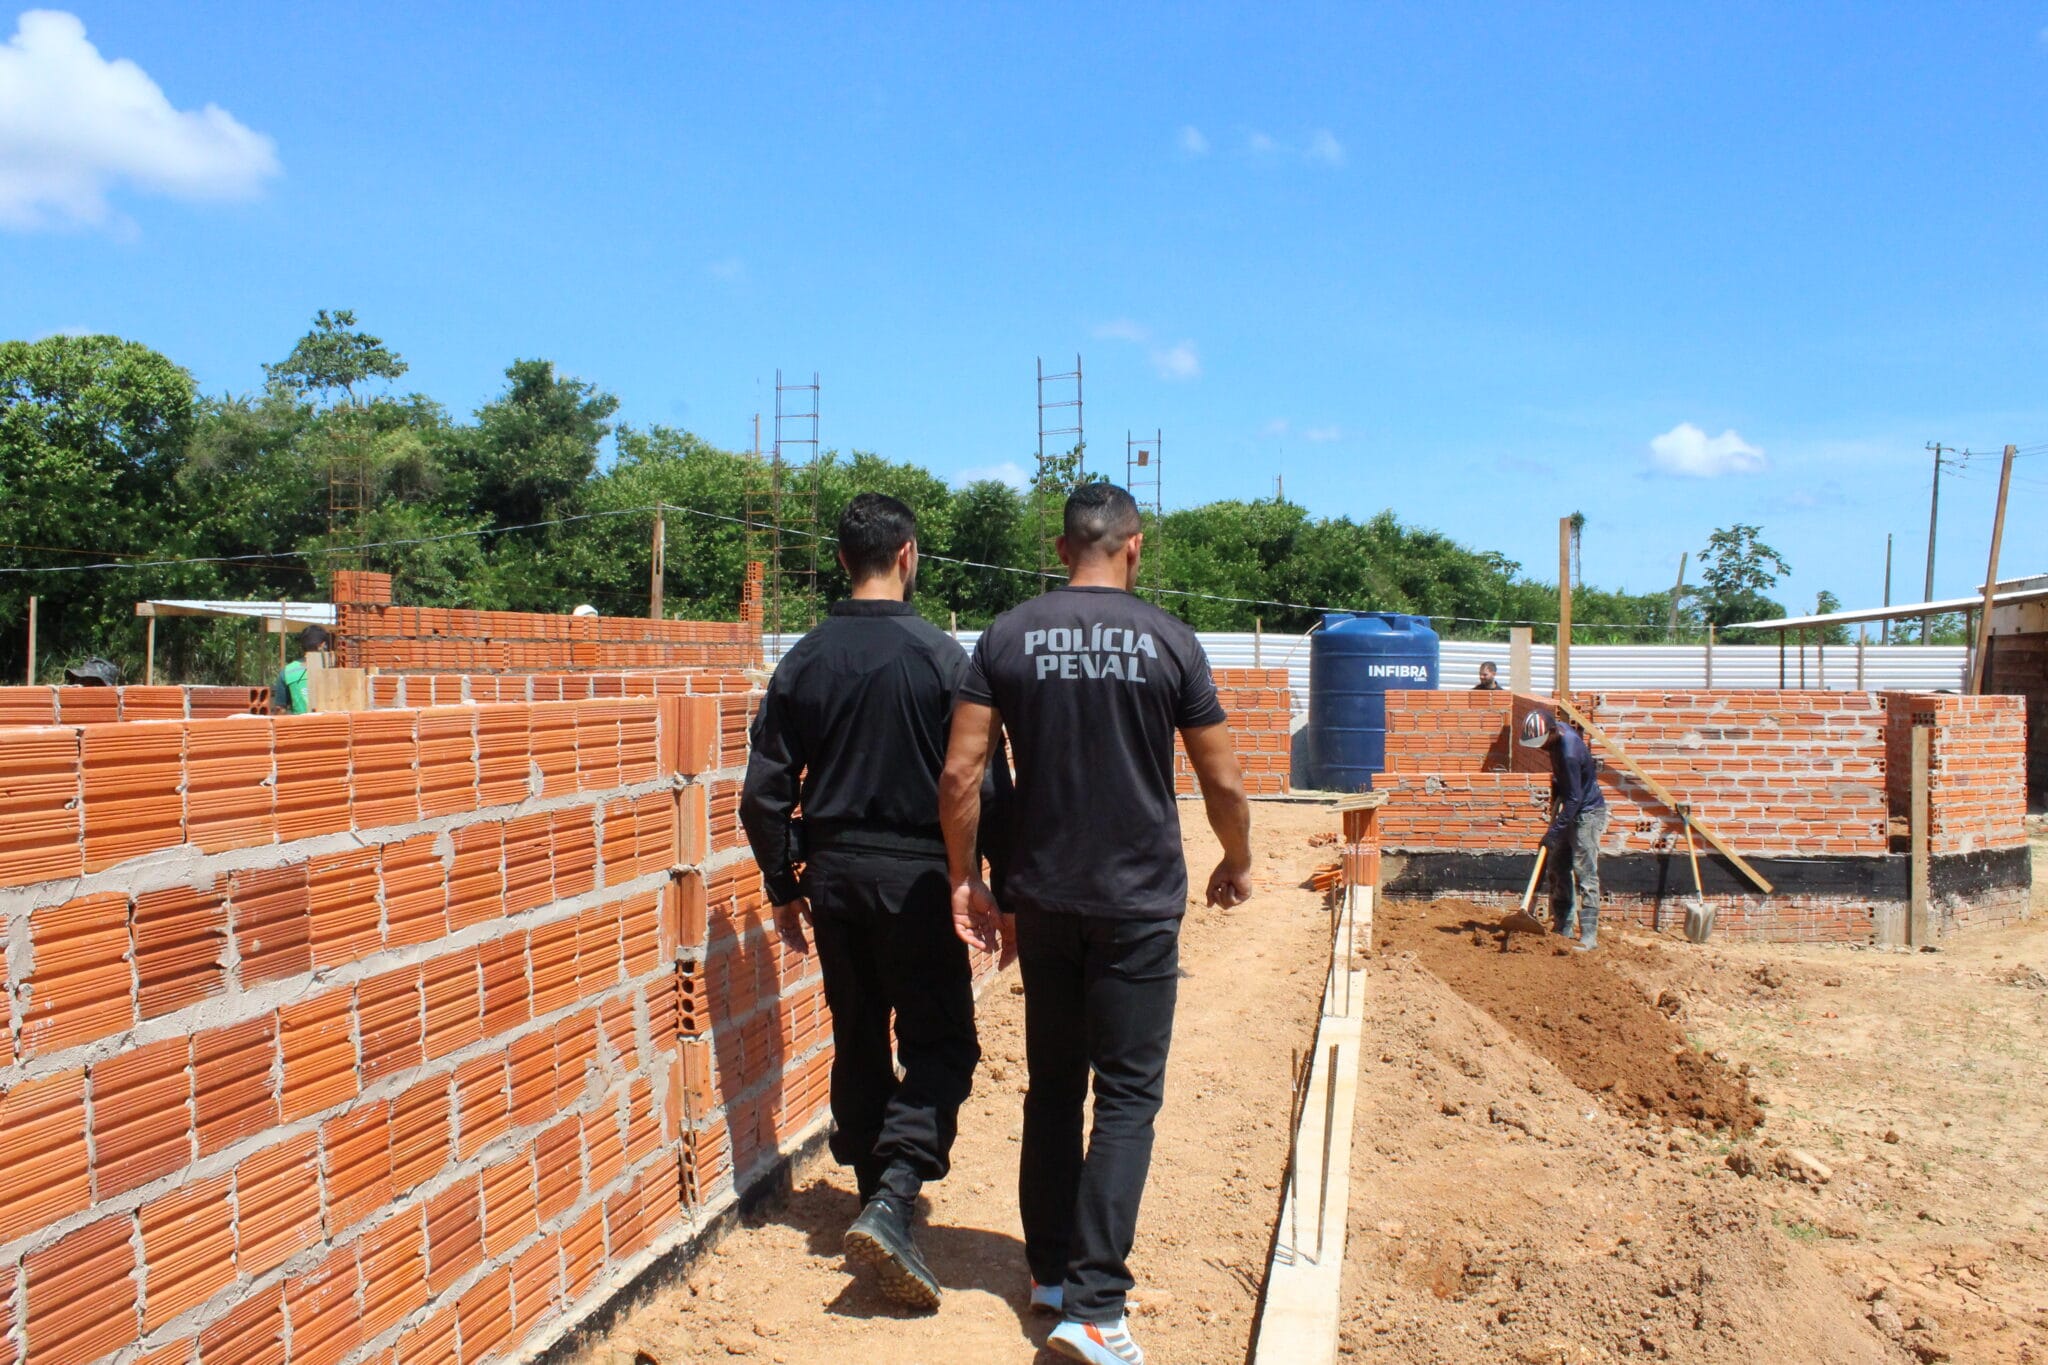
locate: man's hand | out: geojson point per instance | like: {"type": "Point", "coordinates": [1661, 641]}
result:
{"type": "Point", "coordinates": [1230, 884]}
{"type": "Point", "coordinates": [790, 919]}
{"type": "Point", "coordinates": [978, 920]}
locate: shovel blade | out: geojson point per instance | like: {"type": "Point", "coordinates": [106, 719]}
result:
{"type": "Point", "coordinates": [1699, 921]}
{"type": "Point", "coordinates": [1522, 922]}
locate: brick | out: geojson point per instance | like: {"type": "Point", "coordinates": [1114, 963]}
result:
{"type": "Point", "coordinates": [312, 756]}
{"type": "Point", "coordinates": [320, 1305]}
{"type": "Point", "coordinates": [598, 949]}
{"type": "Point", "coordinates": [422, 1134]}
{"type": "Point", "coordinates": [583, 1250]}
{"type": "Point", "coordinates": [509, 1204]}
{"type": "Point", "coordinates": [80, 1294]}
{"type": "Point", "coordinates": [384, 758]}
{"type": "Point", "coordinates": [415, 892]}
{"type": "Point", "coordinates": [393, 1260]}
{"type": "Point", "coordinates": [40, 805]}
{"type": "Point", "coordinates": [529, 870]}
{"type": "Point", "coordinates": [228, 789]}
{"type": "Point", "coordinates": [345, 919]}
{"type": "Point", "coordinates": [597, 746]}
{"type": "Point", "coordinates": [453, 1002]}
{"type": "Point", "coordinates": [683, 913]}
{"type": "Point", "coordinates": [552, 954]}
{"type": "Point", "coordinates": [532, 1063]}
{"type": "Point", "coordinates": [388, 1023]}
{"type": "Point", "coordinates": [503, 772]}
{"type": "Point", "coordinates": [271, 909]}
{"type": "Point", "coordinates": [558, 1168]}
{"type": "Point", "coordinates": [624, 1232]}
{"type": "Point", "coordinates": [637, 742]}
{"type": "Point", "coordinates": [188, 1249]}
{"type": "Point", "coordinates": [317, 1041]}
{"type": "Point", "coordinates": [82, 985]}
{"type": "Point", "coordinates": [356, 1158]}
{"type": "Point", "coordinates": [448, 767]}
{"type": "Point", "coordinates": [43, 1150]}
{"type": "Point", "coordinates": [483, 1104]}
{"type": "Point", "coordinates": [697, 745]}
{"type": "Point", "coordinates": [604, 1150]}
{"type": "Point", "coordinates": [180, 946]}
{"type": "Point", "coordinates": [134, 791]}
{"type": "Point", "coordinates": [503, 965]}
{"type": "Point", "coordinates": [252, 1333]}
{"type": "Point", "coordinates": [573, 841]}
{"type": "Point", "coordinates": [476, 878]}
{"type": "Point", "coordinates": [536, 1283]}
{"type": "Point", "coordinates": [231, 1082]}
{"type": "Point", "coordinates": [553, 746]}
{"type": "Point", "coordinates": [692, 826]}
{"type": "Point", "coordinates": [455, 1234]}
{"type": "Point", "coordinates": [485, 1315]}
{"type": "Point", "coordinates": [277, 1203]}
{"type": "Point", "coordinates": [141, 1115]}
{"type": "Point", "coordinates": [575, 1057]}
{"type": "Point", "coordinates": [431, 1342]}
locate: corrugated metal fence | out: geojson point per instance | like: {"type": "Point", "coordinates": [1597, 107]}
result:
{"type": "Point", "coordinates": [1839, 668]}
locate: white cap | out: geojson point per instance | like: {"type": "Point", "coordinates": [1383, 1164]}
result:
{"type": "Point", "coordinates": [585, 610]}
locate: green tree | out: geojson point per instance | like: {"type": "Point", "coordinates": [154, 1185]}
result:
{"type": "Point", "coordinates": [1736, 570]}
{"type": "Point", "coordinates": [333, 357]}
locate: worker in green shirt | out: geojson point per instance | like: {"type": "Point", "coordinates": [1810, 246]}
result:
{"type": "Point", "coordinates": [290, 693]}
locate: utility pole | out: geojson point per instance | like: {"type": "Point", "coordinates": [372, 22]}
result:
{"type": "Point", "coordinates": [1676, 593]}
{"type": "Point", "coordinates": [659, 565]}
{"type": "Point", "coordinates": [1933, 510]}
{"type": "Point", "coordinates": [1885, 631]}
{"type": "Point", "coordinates": [1563, 683]}
{"type": "Point", "coordinates": [1977, 663]}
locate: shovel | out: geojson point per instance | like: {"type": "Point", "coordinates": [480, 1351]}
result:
{"type": "Point", "coordinates": [1521, 921]}
{"type": "Point", "coordinates": [1699, 916]}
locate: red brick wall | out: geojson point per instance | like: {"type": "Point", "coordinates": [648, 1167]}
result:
{"type": "Point", "coordinates": [1976, 789]}
{"type": "Point", "coordinates": [2019, 667]}
{"type": "Point", "coordinates": [98, 705]}
{"type": "Point", "coordinates": [1462, 810]}
{"type": "Point", "coordinates": [1448, 732]}
{"type": "Point", "coordinates": [1257, 702]}
{"type": "Point", "coordinates": [441, 640]}
{"type": "Point", "coordinates": [412, 1030]}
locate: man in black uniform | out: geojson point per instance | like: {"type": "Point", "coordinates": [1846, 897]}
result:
{"type": "Point", "coordinates": [853, 730]}
{"type": "Point", "coordinates": [1091, 684]}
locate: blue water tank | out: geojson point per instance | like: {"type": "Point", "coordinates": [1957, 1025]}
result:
{"type": "Point", "coordinates": [1353, 662]}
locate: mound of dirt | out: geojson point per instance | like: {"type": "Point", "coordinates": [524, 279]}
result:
{"type": "Point", "coordinates": [1574, 1010]}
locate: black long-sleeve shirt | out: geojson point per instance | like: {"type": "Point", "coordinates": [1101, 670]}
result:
{"type": "Point", "coordinates": [853, 732]}
{"type": "Point", "coordinates": [1574, 783]}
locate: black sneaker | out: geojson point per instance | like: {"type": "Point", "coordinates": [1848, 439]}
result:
{"type": "Point", "coordinates": [880, 1240]}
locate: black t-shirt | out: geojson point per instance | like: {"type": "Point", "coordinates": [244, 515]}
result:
{"type": "Point", "coordinates": [1091, 684]}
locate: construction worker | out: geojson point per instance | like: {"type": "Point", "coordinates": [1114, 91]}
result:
{"type": "Point", "coordinates": [1091, 683]}
{"type": "Point", "coordinates": [1578, 819]}
{"type": "Point", "coordinates": [1489, 679]}
{"type": "Point", "coordinates": [290, 693]}
{"type": "Point", "coordinates": [853, 731]}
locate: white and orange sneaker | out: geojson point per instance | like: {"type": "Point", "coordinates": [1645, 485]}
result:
{"type": "Point", "coordinates": [1096, 1343]}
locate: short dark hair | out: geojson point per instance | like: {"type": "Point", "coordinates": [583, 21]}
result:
{"type": "Point", "coordinates": [313, 637]}
{"type": "Point", "coordinates": [1485, 665]}
{"type": "Point", "coordinates": [872, 530]}
{"type": "Point", "coordinates": [1100, 516]}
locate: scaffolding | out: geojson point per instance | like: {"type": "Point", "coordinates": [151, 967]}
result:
{"type": "Point", "coordinates": [348, 492]}
{"type": "Point", "coordinates": [1061, 467]}
{"type": "Point", "coordinates": [782, 509]}
{"type": "Point", "coordinates": [1141, 472]}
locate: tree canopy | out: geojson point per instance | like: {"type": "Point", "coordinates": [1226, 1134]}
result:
{"type": "Point", "coordinates": [539, 500]}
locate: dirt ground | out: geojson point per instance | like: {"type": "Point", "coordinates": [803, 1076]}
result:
{"type": "Point", "coordinates": [778, 1290]}
{"type": "Point", "coordinates": [1890, 1206]}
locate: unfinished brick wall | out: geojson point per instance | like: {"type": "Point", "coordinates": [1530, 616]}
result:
{"type": "Point", "coordinates": [396, 1035]}
{"type": "Point", "coordinates": [1258, 703]}
{"type": "Point", "coordinates": [98, 705]}
{"type": "Point", "coordinates": [2019, 667]}
{"type": "Point", "coordinates": [1449, 732]}
{"type": "Point", "coordinates": [1463, 810]}
{"type": "Point", "coordinates": [443, 640]}
{"type": "Point", "coordinates": [1977, 763]}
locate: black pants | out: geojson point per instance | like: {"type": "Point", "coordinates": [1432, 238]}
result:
{"type": "Point", "coordinates": [1098, 996]}
{"type": "Point", "coordinates": [883, 928]}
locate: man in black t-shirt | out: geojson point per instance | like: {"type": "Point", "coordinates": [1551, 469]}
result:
{"type": "Point", "coordinates": [1091, 684]}
{"type": "Point", "coordinates": [853, 730]}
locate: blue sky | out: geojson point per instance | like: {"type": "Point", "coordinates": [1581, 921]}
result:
{"type": "Point", "coordinates": [1480, 265]}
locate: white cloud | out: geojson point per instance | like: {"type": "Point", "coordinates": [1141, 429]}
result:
{"type": "Point", "coordinates": [73, 125]}
{"type": "Point", "coordinates": [1323, 435]}
{"type": "Point", "coordinates": [727, 270]}
{"type": "Point", "coordinates": [1277, 427]}
{"type": "Point", "coordinates": [1324, 147]}
{"type": "Point", "coordinates": [1177, 362]}
{"type": "Point", "coordinates": [1687, 451]}
{"type": "Point", "coordinates": [1122, 329]}
{"type": "Point", "coordinates": [1009, 472]}
{"type": "Point", "coordinates": [1192, 143]}
{"type": "Point", "coordinates": [1260, 144]}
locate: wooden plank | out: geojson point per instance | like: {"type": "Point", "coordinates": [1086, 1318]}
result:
{"type": "Point", "coordinates": [1660, 791]}
{"type": "Point", "coordinates": [1917, 905]}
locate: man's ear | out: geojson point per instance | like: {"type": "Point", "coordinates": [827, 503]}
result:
{"type": "Point", "coordinates": [907, 556]}
{"type": "Point", "coordinates": [1066, 556]}
{"type": "Point", "coordinates": [844, 567]}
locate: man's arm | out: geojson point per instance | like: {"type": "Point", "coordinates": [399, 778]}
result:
{"type": "Point", "coordinates": [976, 730]}
{"type": "Point", "coordinates": [769, 796]}
{"type": "Point", "coordinates": [1230, 814]}
{"type": "Point", "coordinates": [1568, 785]}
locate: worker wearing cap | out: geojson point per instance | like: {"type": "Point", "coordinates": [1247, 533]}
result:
{"type": "Point", "coordinates": [1091, 684]}
{"type": "Point", "coordinates": [1578, 819]}
{"type": "Point", "coordinates": [853, 732]}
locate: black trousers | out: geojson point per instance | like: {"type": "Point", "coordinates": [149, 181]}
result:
{"type": "Point", "coordinates": [1098, 998]}
{"type": "Point", "coordinates": [883, 929]}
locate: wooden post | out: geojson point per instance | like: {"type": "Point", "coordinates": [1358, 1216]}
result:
{"type": "Point", "coordinates": [1258, 642]}
{"type": "Point", "coordinates": [1677, 592]}
{"type": "Point", "coordinates": [149, 651]}
{"type": "Point", "coordinates": [1563, 683]}
{"type": "Point", "coordinates": [31, 642]}
{"type": "Point", "coordinates": [1521, 644]}
{"type": "Point", "coordinates": [1802, 658]}
{"type": "Point", "coordinates": [283, 624]}
{"type": "Point", "coordinates": [1859, 663]}
{"type": "Point", "coordinates": [1916, 915]}
{"type": "Point", "coordinates": [1991, 575]}
{"type": "Point", "coordinates": [1820, 660]}
{"type": "Point", "coordinates": [1710, 656]}
{"type": "Point", "coordinates": [658, 568]}
{"type": "Point", "coordinates": [953, 624]}
{"type": "Point", "coordinates": [1781, 658]}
